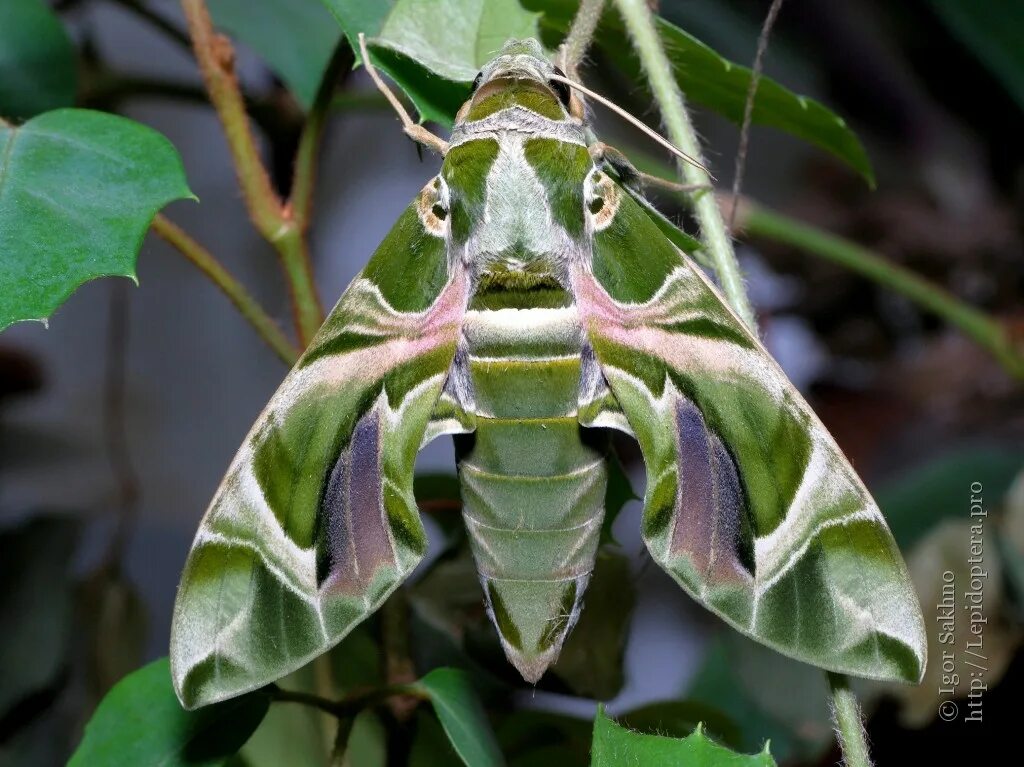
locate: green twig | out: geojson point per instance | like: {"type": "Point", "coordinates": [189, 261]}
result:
{"type": "Point", "coordinates": [757, 221]}
{"type": "Point", "coordinates": [216, 59]}
{"type": "Point", "coordinates": [848, 722]}
{"type": "Point", "coordinates": [640, 23]}
{"type": "Point", "coordinates": [271, 218]}
{"type": "Point", "coordinates": [348, 706]}
{"type": "Point", "coordinates": [248, 306]}
{"type": "Point", "coordinates": [300, 200]}
{"type": "Point", "coordinates": [576, 43]}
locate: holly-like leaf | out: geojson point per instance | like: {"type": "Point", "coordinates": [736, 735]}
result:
{"type": "Point", "coordinates": [78, 190]}
{"type": "Point", "coordinates": [714, 82]}
{"type": "Point", "coordinates": [141, 723]}
{"type": "Point", "coordinates": [37, 60]}
{"type": "Point", "coordinates": [295, 37]}
{"type": "Point", "coordinates": [615, 746]}
{"type": "Point", "coordinates": [433, 50]}
{"type": "Point", "coordinates": [462, 716]}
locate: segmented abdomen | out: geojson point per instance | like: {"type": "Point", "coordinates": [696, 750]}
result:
{"type": "Point", "coordinates": [533, 480]}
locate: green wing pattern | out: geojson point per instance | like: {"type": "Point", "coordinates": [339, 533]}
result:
{"type": "Point", "coordinates": [315, 522]}
{"type": "Point", "coordinates": [750, 504]}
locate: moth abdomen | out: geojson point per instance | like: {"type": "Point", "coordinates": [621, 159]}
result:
{"type": "Point", "coordinates": [533, 479]}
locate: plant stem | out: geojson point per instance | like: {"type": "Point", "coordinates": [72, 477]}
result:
{"type": "Point", "coordinates": [300, 200]}
{"type": "Point", "coordinates": [273, 221]}
{"type": "Point", "coordinates": [640, 23]}
{"type": "Point", "coordinates": [847, 719]}
{"type": "Point", "coordinates": [216, 60]}
{"type": "Point", "coordinates": [348, 706]}
{"type": "Point", "coordinates": [748, 107]}
{"type": "Point", "coordinates": [576, 43]}
{"type": "Point", "coordinates": [268, 329]}
{"type": "Point", "coordinates": [988, 333]}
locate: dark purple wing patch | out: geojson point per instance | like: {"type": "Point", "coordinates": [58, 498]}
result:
{"type": "Point", "coordinates": [356, 539]}
{"type": "Point", "coordinates": [709, 503]}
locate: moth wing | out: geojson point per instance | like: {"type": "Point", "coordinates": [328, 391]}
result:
{"type": "Point", "coordinates": [750, 504]}
{"type": "Point", "coordinates": [315, 523]}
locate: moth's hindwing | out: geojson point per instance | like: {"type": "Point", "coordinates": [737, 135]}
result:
{"type": "Point", "coordinates": [750, 504]}
{"type": "Point", "coordinates": [315, 523]}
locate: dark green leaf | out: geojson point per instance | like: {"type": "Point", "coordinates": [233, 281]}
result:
{"type": "Point", "coordinates": [37, 60]}
{"type": "Point", "coordinates": [77, 192]}
{"type": "Point", "coordinates": [993, 31]}
{"type": "Point", "coordinates": [940, 489]}
{"type": "Point", "coordinates": [430, 746]}
{"type": "Point", "coordinates": [115, 621]}
{"type": "Point", "coordinates": [141, 723]}
{"type": "Point", "coordinates": [462, 716]}
{"type": "Point", "coordinates": [618, 493]}
{"type": "Point", "coordinates": [35, 605]}
{"type": "Point", "coordinates": [678, 718]}
{"type": "Point", "coordinates": [534, 738]}
{"type": "Point", "coordinates": [616, 746]}
{"type": "Point", "coordinates": [718, 84]}
{"type": "Point", "coordinates": [741, 680]}
{"type": "Point", "coordinates": [433, 53]}
{"type": "Point", "coordinates": [295, 37]}
{"type": "Point", "coordinates": [367, 742]}
{"type": "Point", "coordinates": [291, 734]}
{"type": "Point", "coordinates": [441, 496]}
{"type": "Point", "coordinates": [591, 659]}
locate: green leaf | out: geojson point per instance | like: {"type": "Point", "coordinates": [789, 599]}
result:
{"type": "Point", "coordinates": [714, 82]}
{"type": "Point", "coordinates": [618, 493]}
{"type": "Point", "coordinates": [922, 497]}
{"type": "Point", "coordinates": [37, 60]}
{"type": "Point", "coordinates": [35, 605]}
{"type": "Point", "coordinates": [616, 746]}
{"type": "Point", "coordinates": [741, 680]}
{"type": "Point", "coordinates": [462, 716]}
{"type": "Point", "coordinates": [433, 53]}
{"type": "Point", "coordinates": [993, 31]}
{"type": "Point", "coordinates": [290, 734]}
{"type": "Point", "coordinates": [77, 192]}
{"type": "Point", "coordinates": [141, 723]}
{"type": "Point", "coordinates": [591, 659]}
{"type": "Point", "coordinates": [295, 37]}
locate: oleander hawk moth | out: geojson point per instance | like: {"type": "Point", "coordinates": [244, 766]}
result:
{"type": "Point", "coordinates": [527, 304]}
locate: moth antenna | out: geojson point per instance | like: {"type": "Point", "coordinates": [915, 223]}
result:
{"type": "Point", "coordinates": [414, 130]}
{"type": "Point", "coordinates": [636, 122]}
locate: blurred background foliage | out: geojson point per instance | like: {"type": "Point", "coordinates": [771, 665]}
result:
{"type": "Point", "coordinates": [116, 423]}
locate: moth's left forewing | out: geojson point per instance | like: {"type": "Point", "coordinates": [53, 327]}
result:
{"type": "Point", "coordinates": [315, 522]}
{"type": "Point", "coordinates": [750, 504]}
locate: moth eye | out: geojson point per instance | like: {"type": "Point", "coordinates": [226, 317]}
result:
{"type": "Point", "coordinates": [596, 204]}
{"type": "Point", "coordinates": [439, 211]}
{"type": "Point", "coordinates": [560, 88]}
{"type": "Point", "coordinates": [476, 82]}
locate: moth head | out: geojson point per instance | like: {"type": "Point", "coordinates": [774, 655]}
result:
{"type": "Point", "coordinates": [522, 72]}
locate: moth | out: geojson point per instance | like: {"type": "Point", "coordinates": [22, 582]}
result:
{"type": "Point", "coordinates": [526, 303]}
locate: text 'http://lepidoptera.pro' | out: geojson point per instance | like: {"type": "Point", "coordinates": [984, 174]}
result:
{"type": "Point", "coordinates": [527, 304]}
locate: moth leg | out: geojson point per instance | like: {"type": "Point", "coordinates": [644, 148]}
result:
{"type": "Point", "coordinates": [412, 129]}
{"type": "Point", "coordinates": [634, 178]}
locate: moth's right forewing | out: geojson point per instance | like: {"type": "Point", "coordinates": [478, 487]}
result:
{"type": "Point", "coordinates": [315, 523]}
